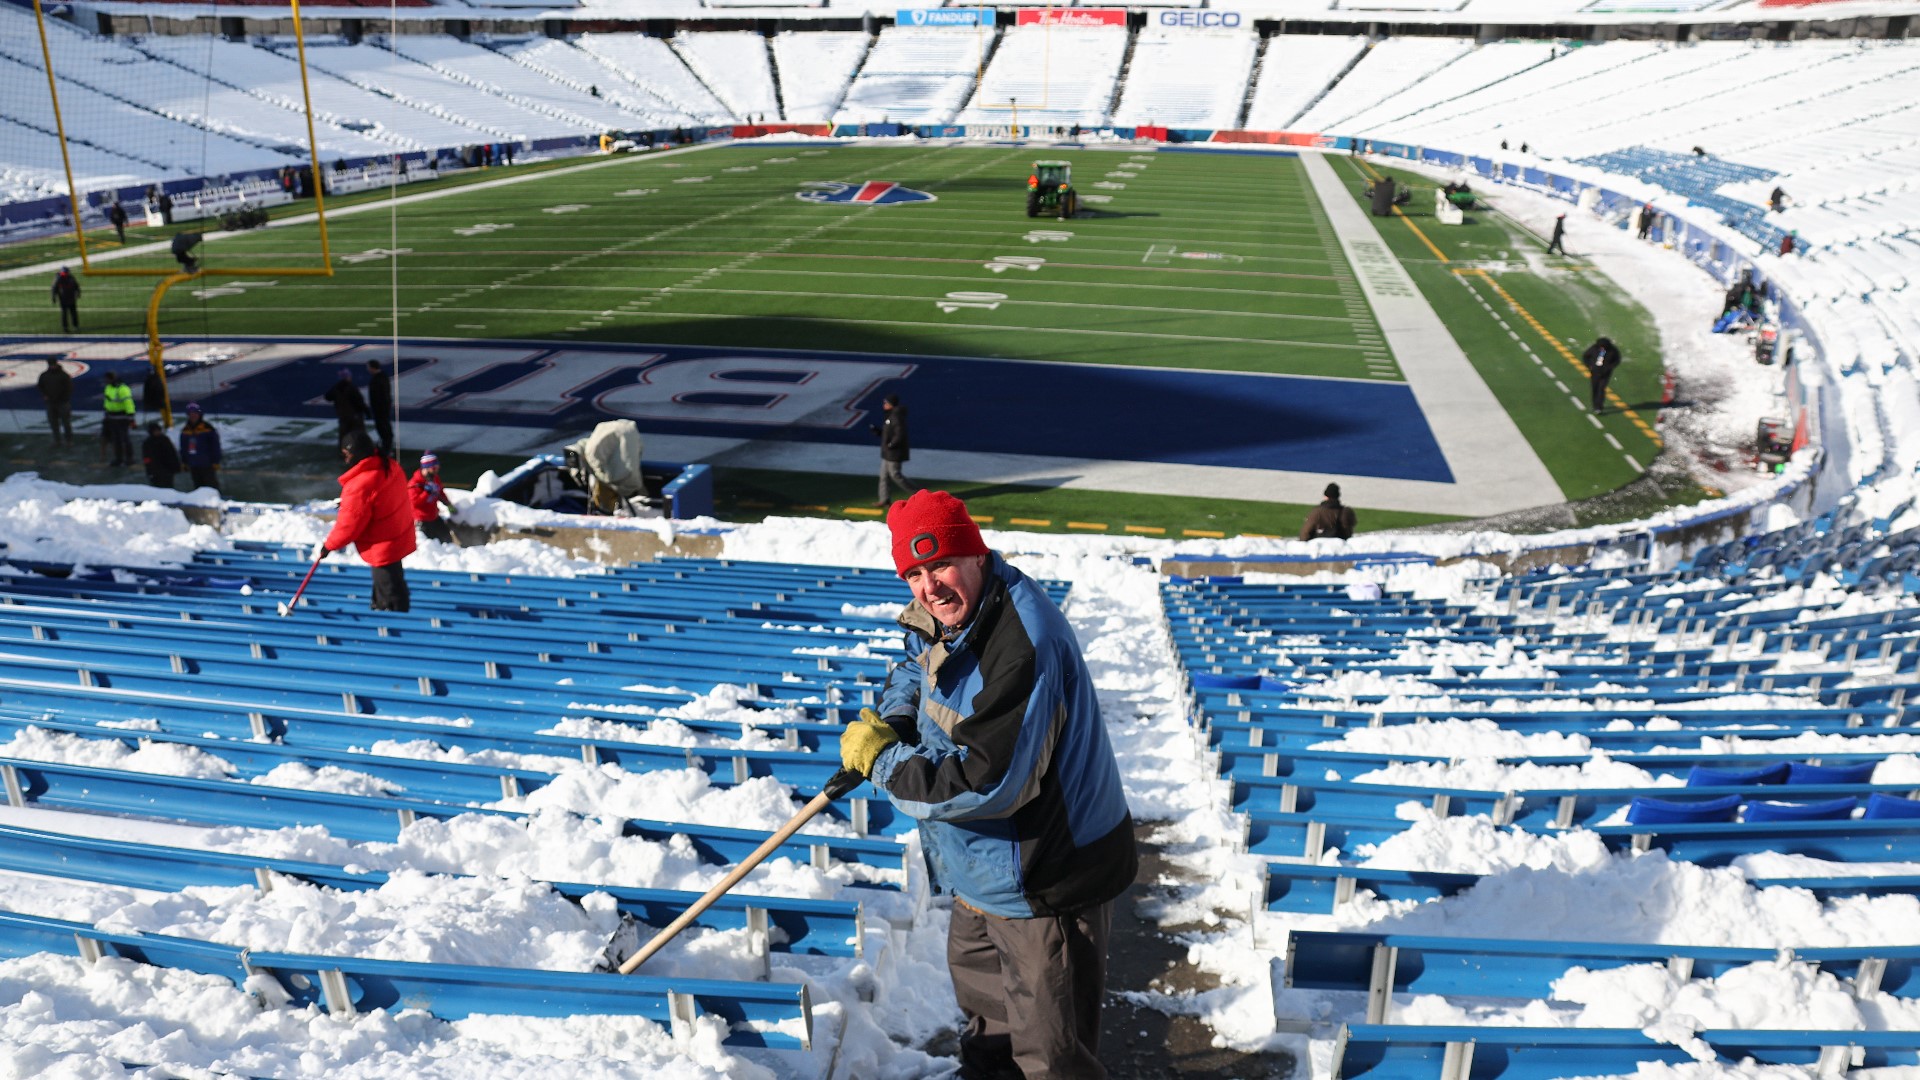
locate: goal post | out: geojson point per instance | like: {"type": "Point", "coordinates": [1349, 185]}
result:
{"type": "Point", "coordinates": [154, 163]}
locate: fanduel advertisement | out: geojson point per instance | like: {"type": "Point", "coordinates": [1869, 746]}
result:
{"type": "Point", "coordinates": [1071, 17]}
{"type": "Point", "coordinates": [944, 17]}
{"type": "Point", "coordinates": [1197, 20]}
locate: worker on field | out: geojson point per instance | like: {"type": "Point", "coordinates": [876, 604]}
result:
{"type": "Point", "coordinates": [989, 733]}
{"type": "Point", "coordinates": [1601, 358]}
{"type": "Point", "coordinates": [894, 450]}
{"type": "Point", "coordinates": [376, 517]}
{"type": "Point", "coordinates": [1558, 243]}
{"type": "Point", "coordinates": [66, 293]}
{"type": "Point", "coordinates": [349, 408]}
{"type": "Point", "coordinates": [1331, 519]}
{"type": "Point", "coordinates": [56, 389]}
{"type": "Point", "coordinates": [116, 421]}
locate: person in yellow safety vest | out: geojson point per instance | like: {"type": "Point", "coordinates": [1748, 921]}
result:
{"type": "Point", "coordinates": [116, 425]}
{"type": "Point", "coordinates": [606, 144]}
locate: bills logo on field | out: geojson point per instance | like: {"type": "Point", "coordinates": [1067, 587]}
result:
{"type": "Point", "coordinates": [868, 193]}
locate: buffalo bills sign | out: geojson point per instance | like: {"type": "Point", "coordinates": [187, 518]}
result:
{"type": "Point", "coordinates": [869, 193]}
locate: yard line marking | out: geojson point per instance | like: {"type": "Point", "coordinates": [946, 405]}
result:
{"type": "Point", "coordinates": [1093, 525]}
{"type": "Point", "coordinates": [1527, 317]}
{"type": "Point", "coordinates": [1044, 522]}
{"type": "Point", "coordinates": [1637, 467]}
{"type": "Point", "coordinates": [1595, 421]}
{"type": "Point", "coordinates": [1208, 534]}
{"type": "Point", "coordinates": [1613, 442]}
{"type": "Point", "coordinates": [863, 511]}
{"type": "Point", "coordinates": [1150, 530]}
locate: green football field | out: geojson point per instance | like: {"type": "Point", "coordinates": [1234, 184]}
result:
{"type": "Point", "coordinates": [1203, 261]}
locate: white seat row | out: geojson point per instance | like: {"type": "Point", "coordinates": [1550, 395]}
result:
{"type": "Point", "coordinates": [1389, 68]}
{"type": "Point", "coordinates": [1187, 79]}
{"type": "Point", "coordinates": [734, 66]}
{"type": "Point", "coordinates": [1296, 70]}
{"type": "Point", "coordinates": [1053, 75]}
{"type": "Point", "coordinates": [499, 75]}
{"type": "Point", "coordinates": [374, 67]}
{"type": "Point", "coordinates": [650, 63]}
{"type": "Point", "coordinates": [815, 69]}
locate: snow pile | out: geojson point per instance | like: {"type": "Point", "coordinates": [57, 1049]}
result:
{"type": "Point", "coordinates": [112, 525]}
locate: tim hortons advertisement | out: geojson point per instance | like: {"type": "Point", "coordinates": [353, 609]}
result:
{"type": "Point", "coordinates": [1071, 17]}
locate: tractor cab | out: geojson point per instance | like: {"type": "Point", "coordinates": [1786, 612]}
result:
{"type": "Point", "coordinates": [1050, 190]}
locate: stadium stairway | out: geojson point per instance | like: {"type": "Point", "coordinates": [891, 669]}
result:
{"type": "Point", "coordinates": [1762, 698]}
{"type": "Point", "coordinates": [262, 715]}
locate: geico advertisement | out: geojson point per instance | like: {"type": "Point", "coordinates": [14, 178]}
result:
{"type": "Point", "coordinates": [1196, 20]}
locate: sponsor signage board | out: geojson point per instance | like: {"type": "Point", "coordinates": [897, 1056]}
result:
{"type": "Point", "coordinates": [944, 17]}
{"type": "Point", "coordinates": [1196, 20]}
{"type": "Point", "coordinates": [1071, 17]}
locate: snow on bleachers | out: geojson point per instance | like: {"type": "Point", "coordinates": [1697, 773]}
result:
{"type": "Point", "coordinates": [167, 146]}
{"type": "Point", "coordinates": [915, 75]}
{"type": "Point", "coordinates": [229, 103]}
{"type": "Point", "coordinates": [500, 75]}
{"type": "Point", "coordinates": [1056, 75]}
{"type": "Point", "coordinates": [32, 168]}
{"type": "Point", "coordinates": [734, 66]}
{"type": "Point", "coordinates": [1297, 69]}
{"type": "Point", "coordinates": [1388, 69]}
{"type": "Point", "coordinates": [1187, 79]}
{"type": "Point", "coordinates": [1511, 109]}
{"type": "Point", "coordinates": [275, 77]}
{"type": "Point", "coordinates": [815, 70]}
{"type": "Point", "coordinates": [587, 72]}
{"type": "Point", "coordinates": [649, 63]}
{"type": "Point", "coordinates": [1482, 67]}
{"type": "Point", "coordinates": [373, 67]}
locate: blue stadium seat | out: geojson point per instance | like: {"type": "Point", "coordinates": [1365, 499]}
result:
{"type": "Point", "coordinates": [1799, 772]}
{"type": "Point", "coordinates": [1824, 810]}
{"type": "Point", "coordinates": [1648, 811]}
{"type": "Point", "coordinates": [1708, 776]}
{"type": "Point", "coordinates": [1889, 807]}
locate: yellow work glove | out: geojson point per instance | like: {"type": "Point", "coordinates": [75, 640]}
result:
{"type": "Point", "coordinates": [863, 740]}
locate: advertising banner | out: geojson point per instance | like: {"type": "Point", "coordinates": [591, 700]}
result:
{"type": "Point", "coordinates": [1071, 17]}
{"type": "Point", "coordinates": [1195, 20]}
{"type": "Point", "coordinates": [944, 17]}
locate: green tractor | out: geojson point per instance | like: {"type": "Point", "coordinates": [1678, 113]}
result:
{"type": "Point", "coordinates": [1050, 189]}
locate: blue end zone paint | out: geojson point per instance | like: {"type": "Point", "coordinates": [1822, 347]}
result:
{"type": "Point", "coordinates": [1092, 411]}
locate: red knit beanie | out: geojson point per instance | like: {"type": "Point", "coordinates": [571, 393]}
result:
{"type": "Point", "coordinates": [931, 525]}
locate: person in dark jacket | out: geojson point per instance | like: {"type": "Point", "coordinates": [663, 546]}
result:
{"type": "Point", "coordinates": [117, 217]}
{"type": "Point", "coordinates": [165, 205]}
{"type": "Point", "coordinates": [66, 293]}
{"type": "Point", "coordinates": [153, 395]}
{"type": "Point", "coordinates": [893, 449]}
{"type": "Point", "coordinates": [989, 733]}
{"type": "Point", "coordinates": [348, 406]}
{"type": "Point", "coordinates": [158, 456]}
{"type": "Point", "coordinates": [1601, 358]}
{"type": "Point", "coordinates": [1645, 230]}
{"type": "Point", "coordinates": [380, 404]}
{"type": "Point", "coordinates": [1558, 243]}
{"type": "Point", "coordinates": [200, 450]}
{"type": "Point", "coordinates": [1330, 519]}
{"type": "Point", "coordinates": [56, 389]}
{"type": "Point", "coordinates": [376, 517]}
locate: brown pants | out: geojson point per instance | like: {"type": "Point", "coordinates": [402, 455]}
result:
{"type": "Point", "coordinates": [1031, 990]}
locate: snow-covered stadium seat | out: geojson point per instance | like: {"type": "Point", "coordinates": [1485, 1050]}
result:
{"type": "Point", "coordinates": [1387, 71]}
{"type": "Point", "coordinates": [496, 74]}
{"type": "Point", "coordinates": [734, 65]}
{"type": "Point", "coordinates": [1055, 75]}
{"type": "Point", "coordinates": [653, 65]}
{"type": "Point", "coordinates": [1187, 78]}
{"type": "Point", "coordinates": [1296, 70]}
{"type": "Point", "coordinates": [916, 75]}
{"type": "Point", "coordinates": [816, 67]}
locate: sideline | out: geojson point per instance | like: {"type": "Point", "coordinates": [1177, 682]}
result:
{"type": "Point", "coordinates": [161, 247]}
{"type": "Point", "coordinates": [1495, 469]}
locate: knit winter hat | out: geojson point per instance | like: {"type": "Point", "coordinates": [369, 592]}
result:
{"type": "Point", "coordinates": [931, 525]}
{"type": "Point", "coordinates": [429, 460]}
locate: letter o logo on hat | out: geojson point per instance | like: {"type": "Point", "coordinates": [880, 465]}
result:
{"type": "Point", "coordinates": [924, 546]}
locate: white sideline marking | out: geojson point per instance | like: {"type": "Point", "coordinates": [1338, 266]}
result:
{"type": "Point", "coordinates": [483, 228]}
{"type": "Point", "coordinates": [565, 208]}
{"type": "Point", "coordinates": [634, 193]}
{"type": "Point", "coordinates": [1495, 468]}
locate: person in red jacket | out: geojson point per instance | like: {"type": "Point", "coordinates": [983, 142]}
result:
{"type": "Point", "coordinates": [376, 517]}
{"type": "Point", "coordinates": [428, 497]}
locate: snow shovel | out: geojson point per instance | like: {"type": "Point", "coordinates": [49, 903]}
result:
{"type": "Point", "coordinates": [286, 609]}
{"type": "Point", "coordinates": [842, 782]}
